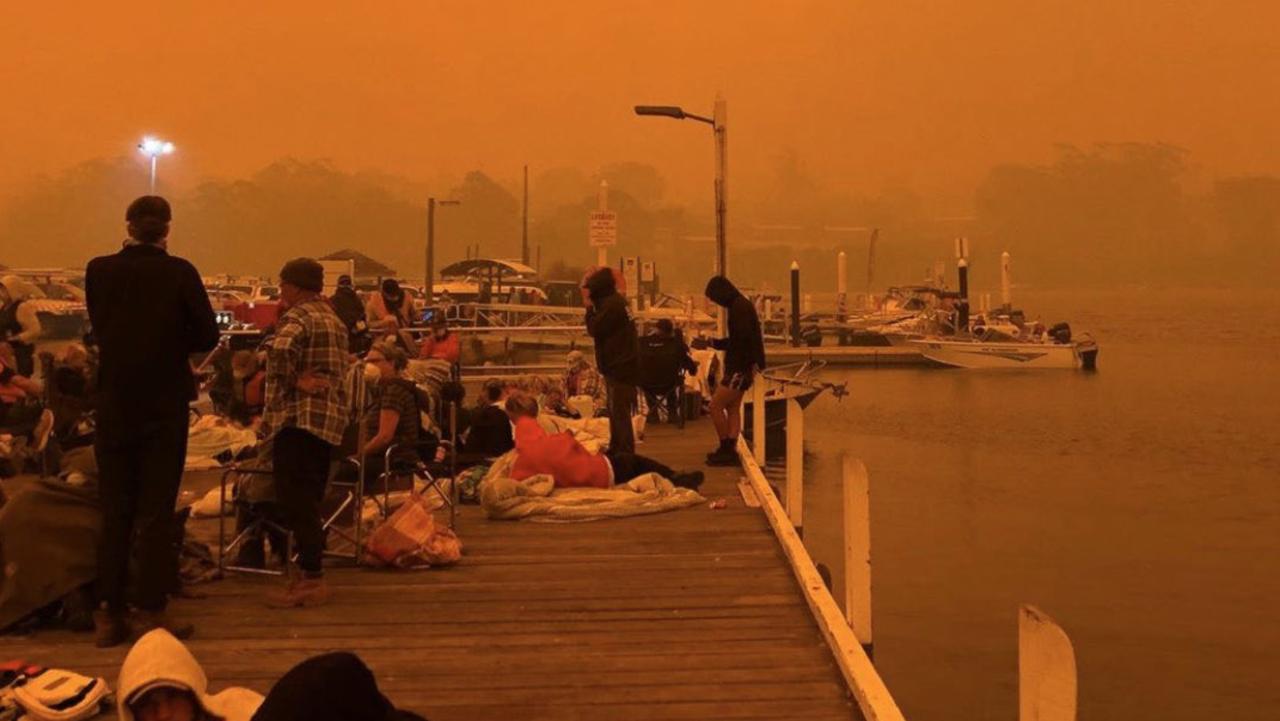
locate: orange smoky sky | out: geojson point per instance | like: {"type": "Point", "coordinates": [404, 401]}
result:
{"type": "Point", "coordinates": [925, 93]}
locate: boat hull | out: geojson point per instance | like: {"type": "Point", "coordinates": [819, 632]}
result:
{"type": "Point", "coordinates": [976, 354]}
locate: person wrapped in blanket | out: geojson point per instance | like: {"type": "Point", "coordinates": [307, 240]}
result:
{"type": "Point", "coordinates": [562, 457]}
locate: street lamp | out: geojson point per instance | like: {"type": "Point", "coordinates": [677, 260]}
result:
{"type": "Point", "coordinates": [427, 290]}
{"type": "Point", "coordinates": [717, 121]}
{"type": "Point", "coordinates": [154, 148]}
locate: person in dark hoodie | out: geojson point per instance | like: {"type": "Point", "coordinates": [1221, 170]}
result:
{"type": "Point", "coordinates": [744, 355]}
{"type": "Point", "coordinates": [617, 354]}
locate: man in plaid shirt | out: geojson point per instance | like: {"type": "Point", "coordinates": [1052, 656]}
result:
{"type": "Point", "coordinates": [306, 413]}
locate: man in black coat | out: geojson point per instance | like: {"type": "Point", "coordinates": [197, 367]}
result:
{"type": "Point", "coordinates": [743, 357]}
{"type": "Point", "coordinates": [617, 354]}
{"type": "Point", "coordinates": [350, 310]}
{"type": "Point", "coordinates": [149, 312]}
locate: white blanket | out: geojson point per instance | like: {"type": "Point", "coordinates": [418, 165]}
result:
{"type": "Point", "coordinates": [212, 435]}
{"type": "Point", "coordinates": [537, 499]}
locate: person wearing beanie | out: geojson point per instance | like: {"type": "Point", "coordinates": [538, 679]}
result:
{"type": "Point", "coordinates": [305, 416]}
{"type": "Point", "coordinates": [743, 357]}
{"type": "Point", "coordinates": [348, 306]}
{"type": "Point", "coordinates": [150, 313]}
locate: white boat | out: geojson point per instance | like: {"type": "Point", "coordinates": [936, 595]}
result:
{"type": "Point", "coordinates": [974, 353]}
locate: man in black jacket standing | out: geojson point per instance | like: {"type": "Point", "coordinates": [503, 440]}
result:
{"type": "Point", "coordinates": [149, 312]}
{"type": "Point", "coordinates": [617, 355]}
{"type": "Point", "coordinates": [743, 356]}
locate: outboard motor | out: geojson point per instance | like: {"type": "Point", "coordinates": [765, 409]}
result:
{"type": "Point", "coordinates": [1060, 333]}
{"type": "Point", "coordinates": [811, 336]}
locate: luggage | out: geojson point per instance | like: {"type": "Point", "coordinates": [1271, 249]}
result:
{"type": "Point", "coordinates": [411, 539]}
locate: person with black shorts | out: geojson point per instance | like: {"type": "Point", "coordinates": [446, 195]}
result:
{"type": "Point", "coordinates": [743, 357]}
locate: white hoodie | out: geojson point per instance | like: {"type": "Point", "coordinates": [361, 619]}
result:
{"type": "Point", "coordinates": [158, 659]}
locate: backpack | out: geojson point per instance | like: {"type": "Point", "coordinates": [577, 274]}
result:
{"type": "Point", "coordinates": [56, 694]}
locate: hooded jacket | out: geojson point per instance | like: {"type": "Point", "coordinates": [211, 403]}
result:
{"type": "Point", "coordinates": [744, 348]}
{"type": "Point", "coordinates": [158, 659]}
{"type": "Point", "coordinates": [609, 323]}
{"type": "Point", "coordinates": [330, 687]}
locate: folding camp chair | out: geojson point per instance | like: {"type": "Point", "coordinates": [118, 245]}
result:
{"type": "Point", "coordinates": [260, 523]}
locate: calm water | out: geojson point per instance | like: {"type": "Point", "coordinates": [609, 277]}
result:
{"type": "Point", "coordinates": [1139, 506]}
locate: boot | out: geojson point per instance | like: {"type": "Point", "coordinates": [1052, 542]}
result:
{"type": "Point", "coordinates": [109, 628]}
{"type": "Point", "coordinates": [305, 591]}
{"type": "Point", "coordinates": [151, 620]}
{"type": "Point", "coordinates": [726, 456]}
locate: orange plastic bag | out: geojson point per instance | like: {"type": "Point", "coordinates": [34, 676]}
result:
{"type": "Point", "coordinates": [411, 539]}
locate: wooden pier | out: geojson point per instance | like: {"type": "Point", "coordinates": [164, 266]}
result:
{"type": "Point", "coordinates": [693, 614]}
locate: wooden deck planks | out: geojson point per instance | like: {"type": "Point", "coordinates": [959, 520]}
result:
{"type": "Point", "coordinates": [686, 615]}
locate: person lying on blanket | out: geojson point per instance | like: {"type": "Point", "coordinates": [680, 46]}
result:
{"type": "Point", "coordinates": [571, 465]}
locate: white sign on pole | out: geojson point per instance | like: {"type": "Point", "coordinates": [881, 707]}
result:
{"type": "Point", "coordinates": [631, 275]}
{"type": "Point", "coordinates": [602, 228]}
{"type": "Point", "coordinates": [646, 271]}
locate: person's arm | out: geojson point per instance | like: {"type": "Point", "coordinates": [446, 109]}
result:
{"type": "Point", "coordinates": [605, 321]}
{"type": "Point", "coordinates": [284, 354]}
{"type": "Point", "coordinates": [388, 418]}
{"type": "Point", "coordinates": [202, 324]}
{"type": "Point", "coordinates": [29, 319]}
{"type": "Point", "coordinates": [686, 361]}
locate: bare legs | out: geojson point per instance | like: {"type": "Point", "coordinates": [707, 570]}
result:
{"type": "Point", "coordinates": [726, 412]}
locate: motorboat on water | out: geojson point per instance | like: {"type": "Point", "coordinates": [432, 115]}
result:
{"type": "Point", "coordinates": [975, 352]}
{"type": "Point", "coordinates": [794, 381]}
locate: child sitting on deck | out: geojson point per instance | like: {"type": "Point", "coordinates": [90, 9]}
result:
{"type": "Point", "coordinates": [562, 457]}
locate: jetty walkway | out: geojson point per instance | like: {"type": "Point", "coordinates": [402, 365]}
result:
{"type": "Point", "coordinates": [692, 614]}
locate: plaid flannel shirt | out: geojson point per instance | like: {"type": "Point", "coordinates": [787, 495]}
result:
{"type": "Point", "coordinates": [309, 336]}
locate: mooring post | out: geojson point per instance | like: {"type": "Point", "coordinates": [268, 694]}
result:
{"type": "Point", "coordinates": [842, 286]}
{"type": "Point", "coordinates": [757, 419]}
{"type": "Point", "coordinates": [795, 464]}
{"type": "Point", "coordinates": [857, 550]}
{"type": "Point", "coordinates": [795, 304]}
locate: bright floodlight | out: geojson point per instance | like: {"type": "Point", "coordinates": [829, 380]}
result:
{"type": "Point", "coordinates": [155, 146]}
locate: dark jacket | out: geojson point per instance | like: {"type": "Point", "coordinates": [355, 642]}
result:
{"type": "Point", "coordinates": [490, 433]}
{"type": "Point", "coordinates": [349, 307]}
{"type": "Point", "coordinates": [744, 348]}
{"type": "Point", "coordinates": [661, 358]}
{"type": "Point", "coordinates": [331, 687]}
{"type": "Point", "coordinates": [609, 323]}
{"type": "Point", "coordinates": [149, 312]}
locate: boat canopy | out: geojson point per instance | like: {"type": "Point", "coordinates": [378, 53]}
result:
{"type": "Point", "coordinates": [484, 267]}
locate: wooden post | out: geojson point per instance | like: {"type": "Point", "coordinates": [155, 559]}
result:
{"type": "Point", "coordinates": [795, 465]}
{"type": "Point", "coordinates": [757, 419]}
{"type": "Point", "coordinates": [1046, 668]}
{"type": "Point", "coordinates": [857, 550]}
{"type": "Point", "coordinates": [795, 304]}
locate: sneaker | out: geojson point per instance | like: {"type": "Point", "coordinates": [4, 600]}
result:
{"type": "Point", "coordinates": [151, 620]}
{"type": "Point", "coordinates": [299, 593]}
{"type": "Point", "coordinates": [688, 479]}
{"type": "Point", "coordinates": [109, 628]}
{"type": "Point", "coordinates": [40, 436]}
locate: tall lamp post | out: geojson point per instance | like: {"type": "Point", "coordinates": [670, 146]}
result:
{"type": "Point", "coordinates": [427, 290]}
{"type": "Point", "coordinates": [717, 121]}
{"type": "Point", "coordinates": [154, 148]}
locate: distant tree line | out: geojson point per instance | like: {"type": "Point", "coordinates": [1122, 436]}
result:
{"type": "Point", "coordinates": [1110, 214]}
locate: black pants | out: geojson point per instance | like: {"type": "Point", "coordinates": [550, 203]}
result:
{"type": "Point", "coordinates": [300, 464]}
{"type": "Point", "coordinates": [622, 403]}
{"type": "Point", "coordinates": [139, 471]}
{"type": "Point", "coordinates": [630, 465]}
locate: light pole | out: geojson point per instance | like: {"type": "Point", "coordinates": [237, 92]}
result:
{"type": "Point", "coordinates": [718, 123]}
{"type": "Point", "coordinates": [427, 291]}
{"type": "Point", "coordinates": [154, 148]}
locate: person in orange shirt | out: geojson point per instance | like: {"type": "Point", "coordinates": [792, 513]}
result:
{"type": "Point", "coordinates": [571, 465]}
{"type": "Point", "coordinates": [441, 344]}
